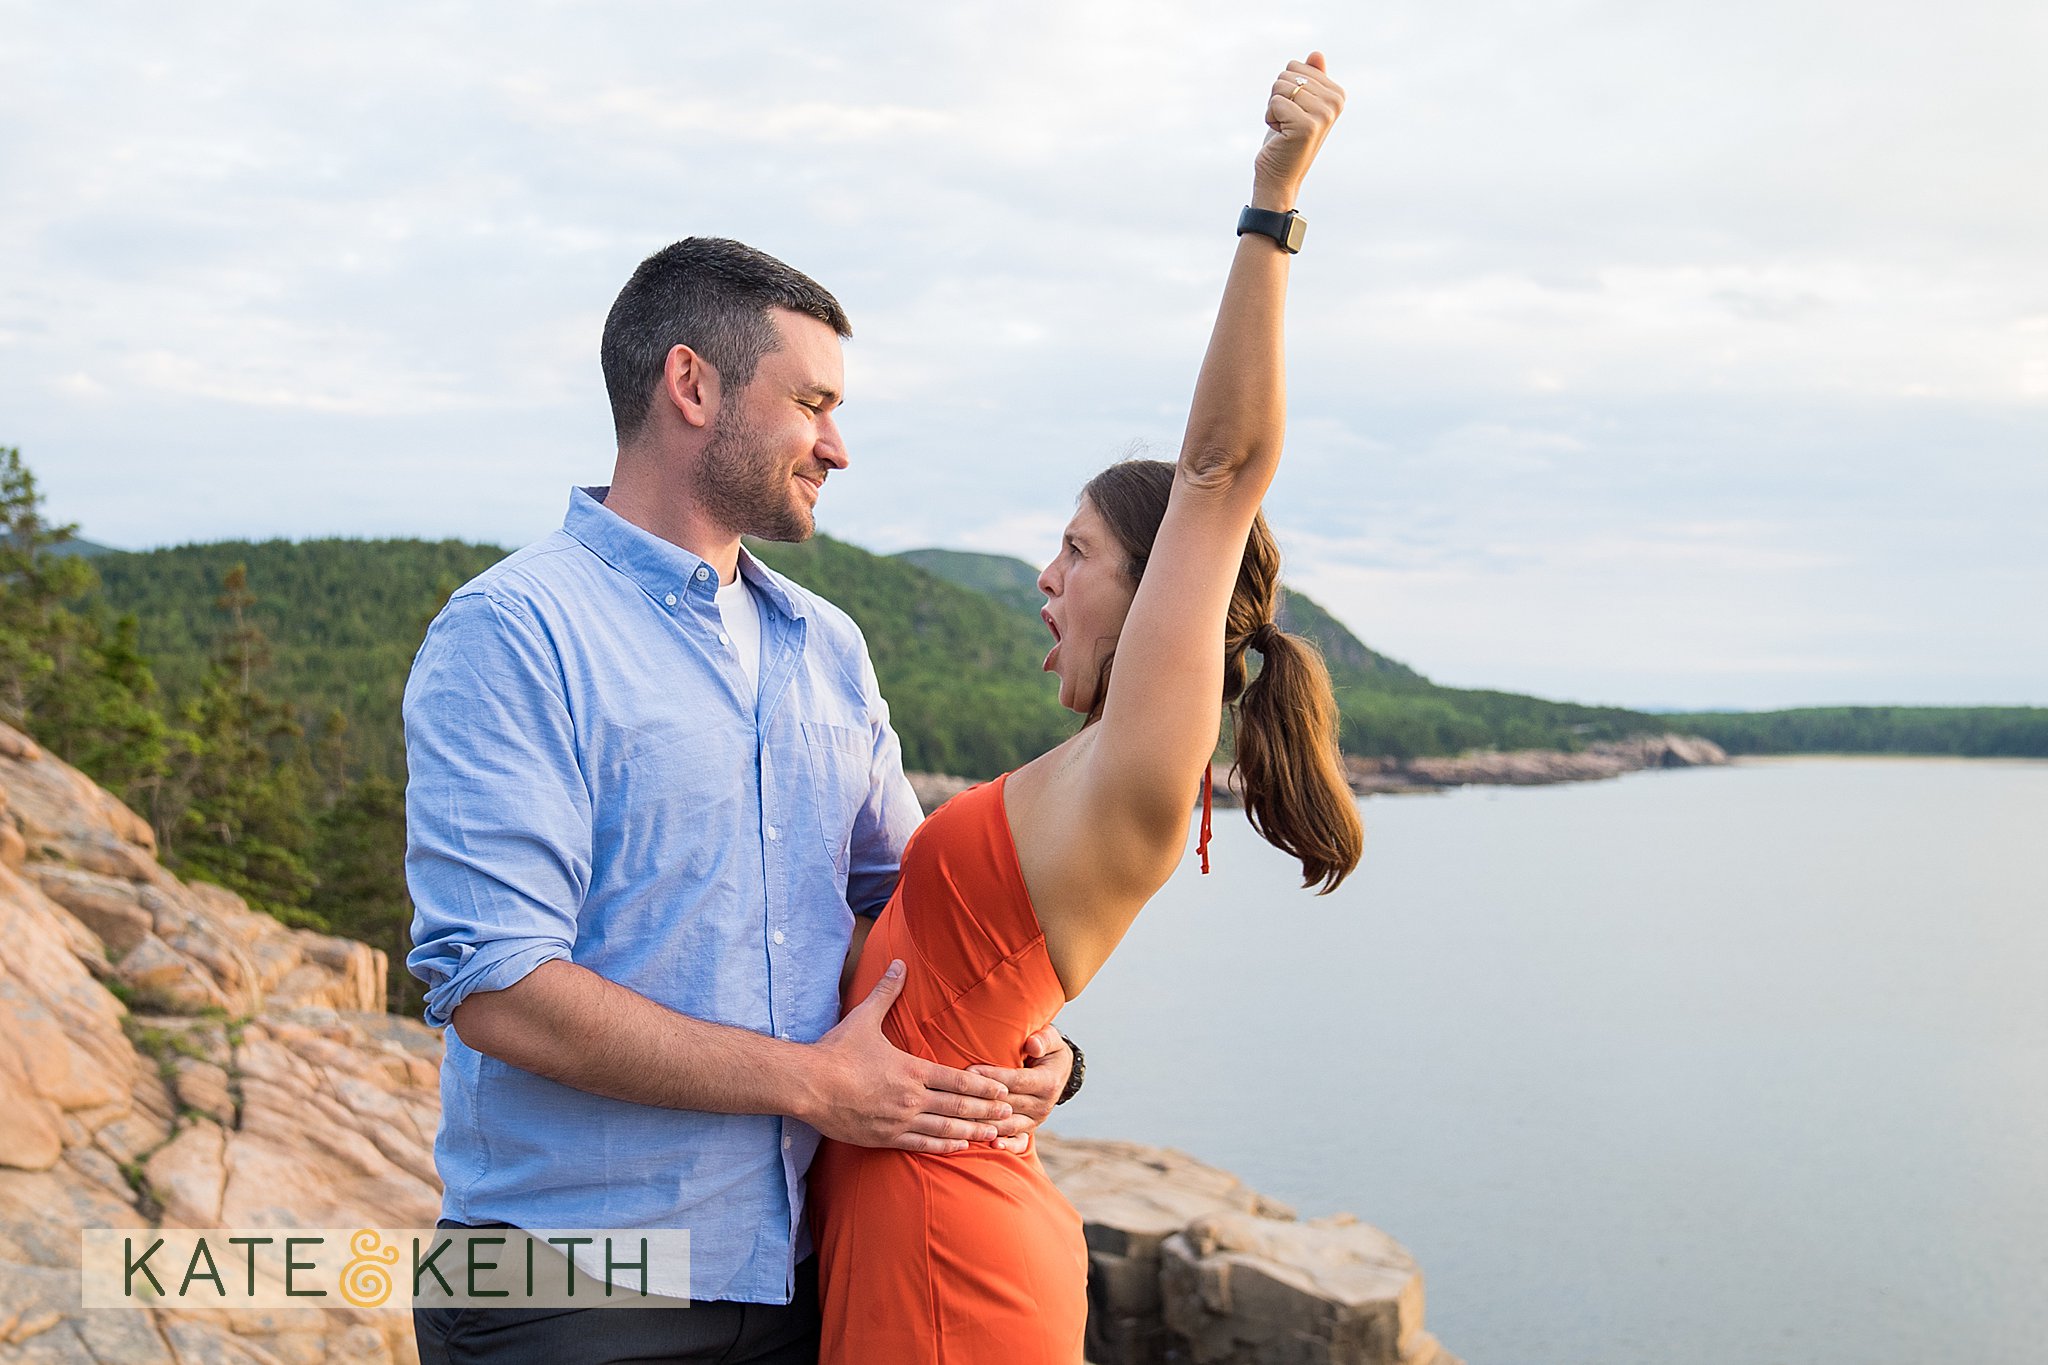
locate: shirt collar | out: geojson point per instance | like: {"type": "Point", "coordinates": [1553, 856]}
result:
{"type": "Point", "coordinates": [768, 585]}
{"type": "Point", "coordinates": [658, 566]}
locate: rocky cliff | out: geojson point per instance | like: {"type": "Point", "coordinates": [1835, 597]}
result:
{"type": "Point", "coordinates": [169, 1057]}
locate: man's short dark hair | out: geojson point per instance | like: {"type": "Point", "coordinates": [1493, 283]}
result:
{"type": "Point", "coordinates": [712, 295]}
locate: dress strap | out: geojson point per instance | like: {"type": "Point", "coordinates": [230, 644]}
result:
{"type": "Point", "coordinates": [1208, 799]}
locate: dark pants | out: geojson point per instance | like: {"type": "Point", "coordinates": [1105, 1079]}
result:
{"type": "Point", "coordinates": [701, 1334]}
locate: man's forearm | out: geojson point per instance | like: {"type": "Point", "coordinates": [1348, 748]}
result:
{"type": "Point", "coordinates": [571, 1025]}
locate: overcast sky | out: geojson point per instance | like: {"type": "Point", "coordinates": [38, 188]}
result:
{"type": "Point", "coordinates": [1663, 354]}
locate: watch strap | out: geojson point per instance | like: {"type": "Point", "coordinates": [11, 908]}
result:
{"type": "Point", "coordinates": [1074, 1076]}
{"type": "Point", "coordinates": [1289, 229]}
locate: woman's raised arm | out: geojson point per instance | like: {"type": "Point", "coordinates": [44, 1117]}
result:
{"type": "Point", "coordinates": [1160, 718]}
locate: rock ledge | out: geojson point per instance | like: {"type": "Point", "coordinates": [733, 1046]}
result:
{"type": "Point", "coordinates": [1187, 1264]}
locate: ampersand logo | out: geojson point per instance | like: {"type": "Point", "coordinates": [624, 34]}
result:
{"type": "Point", "coordinates": [364, 1280]}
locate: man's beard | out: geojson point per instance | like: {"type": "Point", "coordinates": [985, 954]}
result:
{"type": "Point", "coordinates": [745, 488]}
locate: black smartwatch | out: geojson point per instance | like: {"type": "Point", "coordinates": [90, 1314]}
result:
{"type": "Point", "coordinates": [1074, 1076]}
{"type": "Point", "coordinates": [1288, 229]}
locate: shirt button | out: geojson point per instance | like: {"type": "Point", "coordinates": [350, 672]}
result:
{"type": "Point", "coordinates": [723, 638]}
{"type": "Point", "coordinates": [785, 1144]}
{"type": "Point", "coordinates": [670, 599]}
{"type": "Point", "coordinates": [703, 574]}
{"type": "Point", "coordinates": [773, 834]}
{"type": "Point", "coordinates": [778, 936]}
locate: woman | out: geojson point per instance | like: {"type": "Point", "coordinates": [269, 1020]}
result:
{"type": "Point", "coordinates": [1015, 893]}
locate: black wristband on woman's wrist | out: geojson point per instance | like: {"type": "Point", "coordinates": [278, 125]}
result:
{"type": "Point", "coordinates": [1074, 1076]}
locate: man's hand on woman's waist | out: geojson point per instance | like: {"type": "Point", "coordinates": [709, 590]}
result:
{"type": "Point", "coordinates": [577, 1028]}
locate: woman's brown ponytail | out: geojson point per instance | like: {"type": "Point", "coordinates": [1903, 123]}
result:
{"type": "Point", "coordinates": [1294, 788]}
{"type": "Point", "coordinates": [1286, 714]}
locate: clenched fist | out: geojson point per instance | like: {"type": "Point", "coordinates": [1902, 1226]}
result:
{"type": "Point", "coordinates": [1301, 110]}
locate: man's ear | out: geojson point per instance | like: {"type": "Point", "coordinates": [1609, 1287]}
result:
{"type": "Point", "coordinates": [689, 385]}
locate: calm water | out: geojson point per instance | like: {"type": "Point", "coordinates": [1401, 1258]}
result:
{"type": "Point", "coordinates": [1720, 1066]}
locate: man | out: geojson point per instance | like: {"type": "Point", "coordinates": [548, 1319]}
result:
{"type": "Point", "coordinates": [653, 787]}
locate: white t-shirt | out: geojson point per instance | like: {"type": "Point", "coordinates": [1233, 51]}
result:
{"type": "Point", "coordinates": [742, 617]}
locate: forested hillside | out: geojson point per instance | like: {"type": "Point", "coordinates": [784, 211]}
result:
{"type": "Point", "coordinates": [1011, 582]}
{"type": "Point", "coordinates": [959, 666]}
{"type": "Point", "coordinates": [957, 645]}
{"type": "Point", "coordinates": [342, 619]}
{"type": "Point", "coordinates": [1969, 731]}
{"type": "Point", "coordinates": [1388, 709]}
{"type": "Point", "coordinates": [955, 637]}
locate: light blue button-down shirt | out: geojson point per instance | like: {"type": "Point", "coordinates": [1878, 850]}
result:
{"type": "Point", "coordinates": [592, 778]}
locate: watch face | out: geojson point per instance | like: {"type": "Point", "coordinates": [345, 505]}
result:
{"type": "Point", "coordinates": [1297, 229]}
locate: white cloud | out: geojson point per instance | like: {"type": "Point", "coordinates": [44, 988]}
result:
{"type": "Point", "coordinates": [1630, 346]}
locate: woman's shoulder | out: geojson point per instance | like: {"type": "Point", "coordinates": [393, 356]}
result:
{"type": "Point", "coordinates": [1087, 877]}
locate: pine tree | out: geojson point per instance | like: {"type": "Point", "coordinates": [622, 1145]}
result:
{"type": "Point", "coordinates": [37, 627]}
{"type": "Point", "coordinates": [98, 709]}
{"type": "Point", "coordinates": [244, 777]}
{"type": "Point", "coordinates": [81, 689]}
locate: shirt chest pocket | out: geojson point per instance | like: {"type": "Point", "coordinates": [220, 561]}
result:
{"type": "Point", "coordinates": [839, 758]}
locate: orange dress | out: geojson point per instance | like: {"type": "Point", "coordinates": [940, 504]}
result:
{"type": "Point", "coordinates": [973, 1258]}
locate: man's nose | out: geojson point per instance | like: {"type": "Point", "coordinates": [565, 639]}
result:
{"type": "Point", "coordinates": [831, 446]}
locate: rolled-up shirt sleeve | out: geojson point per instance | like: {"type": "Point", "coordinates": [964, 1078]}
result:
{"type": "Point", "coordinates": [497, 811]}
{"type": "Point", "coordinates": [888, 816]}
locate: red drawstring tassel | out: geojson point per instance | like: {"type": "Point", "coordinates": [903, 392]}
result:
{"type": "Point", "coordinates": [1208, 786]}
